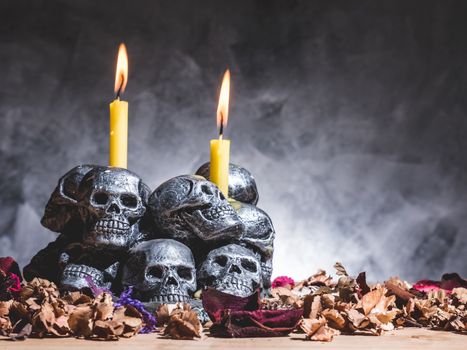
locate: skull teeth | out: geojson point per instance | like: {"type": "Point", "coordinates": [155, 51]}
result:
{"type": "Point", "coordinates": [233, 283]}
{"type": "Point", "coordinates": [111, 226]}
{"type": "Point", "coordinates": [170, 298]}
{"type": "Point", "coordinates": [82, 271]}
{"type": "Point", "coordinates": [218, 212]}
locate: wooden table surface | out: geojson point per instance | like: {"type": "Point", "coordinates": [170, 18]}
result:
{"type": "Point", "coordinates": [409, 338]}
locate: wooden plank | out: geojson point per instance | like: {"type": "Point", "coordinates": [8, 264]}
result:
{"type": "Point", "coordinates": [408, 338]}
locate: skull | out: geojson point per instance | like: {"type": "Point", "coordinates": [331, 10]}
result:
{"type": "Point", "coordinates": [231, 269]}
{"type": "Point", "coordinates": [242, 185]}
{"type": "Point", "coordinates": [111, 202]}
{"type": "Point", "coordinates": [161, 270]}
{"type": "Point", "coordinates": [61, 212]}
{"type": "Point", "coordinates": [189, 208]}
{"type": "Point", "coordinates": [82, 264]}
{"type": "Point", "coordinates": [259, 235]}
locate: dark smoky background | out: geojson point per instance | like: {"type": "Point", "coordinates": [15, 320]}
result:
{"type": "Point", "coordinates": [350, 114]}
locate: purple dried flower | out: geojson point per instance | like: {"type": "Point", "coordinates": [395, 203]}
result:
{"type": "Point", "coordinates": [95, 290]}
{"type": "Point", "coordinates": [148, 319]}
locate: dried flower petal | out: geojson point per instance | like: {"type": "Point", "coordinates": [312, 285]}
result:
{"type": "Point", "coordinates": [80, 321]}
{"type": "Point", "coordinates": [334, 318]}
{"type": "Point", "coordinates": [184, 325]}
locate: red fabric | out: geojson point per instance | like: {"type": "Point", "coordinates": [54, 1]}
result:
{"type": "Point", "coordinates": [237, 317]}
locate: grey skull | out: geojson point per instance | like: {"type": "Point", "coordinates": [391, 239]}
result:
{"type": "Point", "coordinates": [242, 185]}
{"type": "Point", "coordinates": [111, 202]}
{"type": "Point", "coordinates": [259, 235]}
{"type": "Point", "coordinates": [161, 270]}
{"type": "Point", "coordinates": [189, 208]}
{"type": "Point", "coordinates": [61, 212]}
{"type": "Point", "coordinates": [231, 269]}
{"type": "Point", "coordinates": [82, 265]}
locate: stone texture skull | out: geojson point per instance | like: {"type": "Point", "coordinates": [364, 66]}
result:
{"type": "Point", "coordinates": [80, 264]}
{"type": "Point", "coordinates": [231, 269]}
{"type": "Point", "coordinates": [161, 270]}
{"type": "Point", "coordinates": [259, 235]}
{"type": "Point", "coordinates": [111, 202]}
{"type": "Point", "coordinates": [190, 209]}
{"type": "Point", "coordinates": [242, 185]}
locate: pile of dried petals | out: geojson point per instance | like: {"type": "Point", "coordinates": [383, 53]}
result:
{"type": "Point", "coordinates": [350, 306]}
{"type": "Point", "coordinates": [180, 321]}
{"type": "Point", "coordinates": [39, 311]}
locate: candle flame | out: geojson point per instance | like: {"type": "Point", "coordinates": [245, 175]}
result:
{"type": "Point", "coordinates": [121, 74]}
{"type": "Point", "coordinates": [223, 106]}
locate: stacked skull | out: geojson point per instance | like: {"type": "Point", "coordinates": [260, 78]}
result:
{"type": "Point", "coordinates": [114, 234]}
{"type": "Point", "coordinates": [97, 210]}
{"type": "Point", "coordinates": [258, 237]}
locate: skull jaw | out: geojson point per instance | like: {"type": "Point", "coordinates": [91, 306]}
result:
{"type": "Point", "coordinates": [163, 296]}
{"type": "Point", "coordinates": [266, 273]}
{"type": "Point", "coordinates": [227, 227]}
{"type": "Point", "coordinates": [75, 277]}
{"type": "Point", "coordinates": [235, 286]}
{"type": "Point", "coordinates": [113, 238]}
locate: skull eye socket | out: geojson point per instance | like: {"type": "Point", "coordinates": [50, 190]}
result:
{"type": "Point", "coordinates": [206, 189]}
{"type": "Point", "coordinates": [185, 273]}
{"type": "Point", "coordinates": [221, 260]}
{"type": "Point", "coordinates": [249, 265]}
{"type": "Point", "coordinates": [100, 198]}
{"type": "Point", "coordinates": [155, 272]}
{"type": "Point", "coordinates": [129, 200]}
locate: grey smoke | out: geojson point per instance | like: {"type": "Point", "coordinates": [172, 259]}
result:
{"type": "Point", "coordinates": [351, 116]}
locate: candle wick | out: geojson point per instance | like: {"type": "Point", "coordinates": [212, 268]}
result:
{"type": "Point", "coordinates": [221, 127]}
{"type": "Point", "coordinates": [119, 91]}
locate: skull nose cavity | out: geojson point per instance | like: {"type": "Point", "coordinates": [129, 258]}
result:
{"type": "Point", "coordinates": [171, 281]}
{"type": "Point", "coordinates": [234, 269]}
{"type": "Point", "coordinates": [113, 208]}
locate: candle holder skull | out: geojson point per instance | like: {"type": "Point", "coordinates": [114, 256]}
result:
{"type": "Point", "coordinates": [231, 269]}
{"type": "Point", "coordinates": [83, 265]}
{"type": "Point", "coordinates": [96, 205]}
{"type": "Point", "coordinates": [191, 209]}
{"type": "Point", "coordinates": [161, 271]}
{"type": "Point", "coordinates": [259, 235]}
{"type": "Point", "coordinates": [242, 185]}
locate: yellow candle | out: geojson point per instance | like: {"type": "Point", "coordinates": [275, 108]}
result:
{"type": "Point", "coordinates": [220, 148]}
{"type": "Point", "coordinates": [118, 153]}
{"type": "Point", "coordinates": [118, 134]}
{"type": "Point", "coordinates": [220, 154]}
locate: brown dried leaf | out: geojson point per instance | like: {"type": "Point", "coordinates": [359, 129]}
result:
{"type": "Point", "coordinates": [357, 319]}
{"type": "Point", "coordinates": [104, 307]}
{"type": "Point", "coordinates": [80, 321]}
{"type": "Point", "coordinates": [5, 308]}
{"type": "Point", "coordinates": [311, 325]}
{"type": "Point", "coordinates": [371, 299]}
{"type": "Point", "coordinates": [334, 318]}
{"type": "Point", "coordinates": [5, 325]}
{"type": "Point", "coordinates": [461, 294]}
{"type": "Point", "coordinates": [40, 289]}
{"type": "Point", "coordinates": [340, 269]}
{"type": "Point", "coordinates": [319, 278]}
{"type": "Point", "coordinates": [312, 306]}
{"type": "Point", "coordinates": [77, 298]}
{"type": "Point", "coordinates": [107, 330]}
{"type": "Point", "coordinates": [317, 329]}
{"type": "Point", "coordinates": [184, 325]}
{"type": "Point", "coordinates": [324, 334]}
{"type": "Point", "coordinates": [131, 319]}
